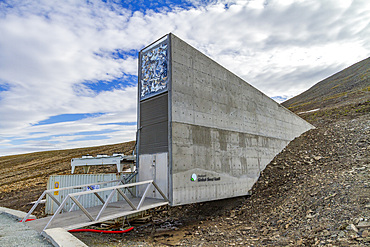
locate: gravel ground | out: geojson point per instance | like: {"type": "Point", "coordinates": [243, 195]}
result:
{"type": "Point", "coordinates": [14, 233]}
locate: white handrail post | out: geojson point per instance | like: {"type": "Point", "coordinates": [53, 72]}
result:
{"type": "Point", "coordinates": [144, 195]}
{"type": "Point", "coordinates": [105, 204]}
{"type": "Point", "coordinates": [58, 211]}
{"type": "Point", "coordinates": [34, 207]}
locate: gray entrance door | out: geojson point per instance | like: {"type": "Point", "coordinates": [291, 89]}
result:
{"type": "Point", "coordinates": [154, 167]}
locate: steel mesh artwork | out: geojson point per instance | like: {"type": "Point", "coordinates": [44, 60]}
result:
{"type": "Point", "coordinates": [154, 77]}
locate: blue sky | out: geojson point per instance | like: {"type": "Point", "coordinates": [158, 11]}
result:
{"type": "Point", "coordinates": [68, 69]}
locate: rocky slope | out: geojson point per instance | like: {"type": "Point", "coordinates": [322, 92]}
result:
{"type": "Point", "coordinates": [351, 85]}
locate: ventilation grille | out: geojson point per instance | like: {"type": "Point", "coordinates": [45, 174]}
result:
{"type": "Point", "coordinates": [154, 125]}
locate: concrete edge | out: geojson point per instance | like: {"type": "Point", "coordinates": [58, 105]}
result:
{"type": "Point", "coordinates": [60, 237]}
{"type": "Point", "coordinates": [19, 215]}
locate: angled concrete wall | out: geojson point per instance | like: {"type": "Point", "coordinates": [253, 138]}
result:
{"type": "Point", "coordinates": [216, 131]}
{"type": "Point", "coordinates": [223, 131]}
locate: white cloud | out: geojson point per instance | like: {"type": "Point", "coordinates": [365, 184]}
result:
{"type": "Point", "coordinates": [50, 48]}
{"type": "Point", "coordinates": [283, 39]}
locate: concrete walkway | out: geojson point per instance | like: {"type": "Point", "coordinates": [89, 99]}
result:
{"type": "Point", "coordinates": [15, 233]}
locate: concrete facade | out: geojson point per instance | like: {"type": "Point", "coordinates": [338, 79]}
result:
{"type": "Point", "coordinates": [222, 131]}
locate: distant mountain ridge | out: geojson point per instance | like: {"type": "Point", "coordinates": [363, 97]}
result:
{"type": "Point", "coordinates": [352, 83]}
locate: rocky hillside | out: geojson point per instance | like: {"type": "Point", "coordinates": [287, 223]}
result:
{"type": "Point", "coordinates": [351, 85]}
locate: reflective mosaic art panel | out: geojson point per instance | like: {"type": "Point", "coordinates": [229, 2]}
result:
{"type": "Point", "coordinates": [154, 65]}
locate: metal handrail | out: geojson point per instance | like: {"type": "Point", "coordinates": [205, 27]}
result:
{"type": "Point", "coordinates": [114, 189]}
{"type": "Point", "coordinates": [48, 192]}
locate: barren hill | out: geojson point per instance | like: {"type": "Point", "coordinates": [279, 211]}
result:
{"type": "Point", "coordinates": [23, 177]}
{"type": "Point", "coordinates": [351, 85]}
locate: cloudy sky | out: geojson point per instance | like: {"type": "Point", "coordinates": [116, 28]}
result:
{"type": "Point", "coordinates": [68, 69]}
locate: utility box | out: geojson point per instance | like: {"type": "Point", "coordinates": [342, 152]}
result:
{"type": "Point", "coordinates": [203, 132]}
{"type": "Point", "coordinates": [63, 181]}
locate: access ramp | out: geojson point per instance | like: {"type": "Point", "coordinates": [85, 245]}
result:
{"type": "Point", "coordinates": [107, 211]}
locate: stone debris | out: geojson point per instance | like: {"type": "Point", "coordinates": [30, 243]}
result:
{"type": "Point", "coordinates": [353, 228]}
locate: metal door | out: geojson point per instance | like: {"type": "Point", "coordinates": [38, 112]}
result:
{"type": "Point", "coordinates": [154, 167]}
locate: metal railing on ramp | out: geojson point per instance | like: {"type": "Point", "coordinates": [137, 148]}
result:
{"type": "Point", "coordinates": [74, 197]}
